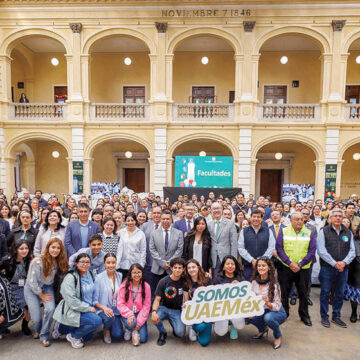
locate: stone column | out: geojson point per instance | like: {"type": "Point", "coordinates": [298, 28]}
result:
{"type": "Point", "coordinates": [159, 172]}
{"type": "Point", "coordinates": [10, 177]}
{"type": "Point", "coordinates": [338, 177]}
{"type": "Point", "coordinates": [244, 169]}
{"type": "Point", "coordinates": [253, 177]}
{"type": "Point", "coordinates": [86, 83]}
{"type": "Point", "coordinates": [319, 179]}
{"type": "Point", "coordinates": [5, 86]}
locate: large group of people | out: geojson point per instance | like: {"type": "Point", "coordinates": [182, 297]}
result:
{"type": "Point", "coordinates": [72, 269]}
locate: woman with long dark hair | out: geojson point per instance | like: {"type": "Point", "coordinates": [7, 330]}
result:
{"type": "Point", "coordinates": [39, 287]}
{"type": "Point", "coordinates": [134, 302]}
{"type": "Point", "coordinates": [107, 285]}
{"type": "Point", "coordinates": [264, 283]}
{"type": "Point", "coordinates": [75, 315]}
{"type": "Point", "coordinates": [132, 245]}
{"type": "Point", "coordinates": [229, 272]}
{"type": "Point", "coordinates": [50, 229]}
{"type": "Point", "coordinates": [197, 244]}
{"type": "Point", "coordinates": [15, 268]}
{"type": "Point", "coordinates": [194, 278]}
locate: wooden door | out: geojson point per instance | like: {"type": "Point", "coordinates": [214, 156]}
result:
{"type": "Point", "coordinates": [271, 183]}
{"type": "Point", "coordinates": [203, 94]}
{"type": "Point", "coordinates": [275, 94]}
{"type": "Point", "coordinates": [135, 179]}
{"type": "Point", "coordinates": [60, 94]}
{"type": "Point", "coordinates": [352, 94]}
{"type": "Point", "coordinates": [134, 94]}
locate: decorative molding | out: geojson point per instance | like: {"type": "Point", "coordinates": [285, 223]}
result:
{"type": "Point", "coordinates": [76, 27]}
{"type": "Point", "coordinates": [338, 25]}
{"type": "Point", "coordinates": [249, 26]}
{"type": "Point", "coordinates": [161, 27]}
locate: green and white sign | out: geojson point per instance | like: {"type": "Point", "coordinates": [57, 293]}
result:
{"type": "Point", "coordinates": [204, 171]}
{"type": "Point", "coordinates": [222, 302]}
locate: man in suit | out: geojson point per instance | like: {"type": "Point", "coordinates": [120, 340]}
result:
{"type": "Point", "coordinates": [78, 232]}
{"type": "Point", "coordinates": [187, 222]}
{"type": "Point", "coordinates": [135, 202]}
{"type": "Point", "coordinates": [223, 235]}
{"type": "Point", "coordinates": [166, 243]}
{"type": "Point", "coordinates": [148, 228]}
{"type": "Point", "coordinates": [275, 224]}
{"type": "Point", "coordinates": [255, 241]}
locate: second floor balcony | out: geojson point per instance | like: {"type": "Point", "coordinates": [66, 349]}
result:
{"type": "Point", "coordinates": [289, 113]}
{"type": "Point", "coordinates": [205, 112]}
{"type": "Point", "coordinates": [37, 111]}
{"type": "Point", "coordinates": [119, 112]}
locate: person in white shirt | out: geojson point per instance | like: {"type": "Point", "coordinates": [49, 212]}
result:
{"type": "Point", "coordinates": [132, 246]}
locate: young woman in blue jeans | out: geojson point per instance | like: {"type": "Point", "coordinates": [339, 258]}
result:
{"type": "Point", "coordinates": [194, 278]}
{"type": "Point", "coordinates": [264, 283]}
{"type": "Point", "coordinates": [107, 285]}
{"type": "Point", "coordinates": [39, 287]}
{"type": "Point", "coordinates": [76, 314]}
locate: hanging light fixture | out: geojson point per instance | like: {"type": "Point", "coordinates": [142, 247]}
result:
{"type": "Point", "coordinates": [54, 61]}
{"type": "Point", "coordinates": [204, 60]}
{"type": "Point", "coordinates": [127, 61]}
{"type": "Point", "coordinates": [356, 156]}
{"type": "Point", "coordinates": [278, 156]}
{"type": "Point", "coordinates": [55, 154]}
{"type": "Point", "coordinates": [284, 60]}
{"type": "Point", "coordinates": [128, 154]}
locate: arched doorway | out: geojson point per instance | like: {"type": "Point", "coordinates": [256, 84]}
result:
{"type": "Point", "coordinates": [40, 163]}
{"type": "Point", "coordinates": [294, 165]}
{"type": "Point", "coordinates": [122, 161]}
{"type": "Point", "coordinates": [350, 171]}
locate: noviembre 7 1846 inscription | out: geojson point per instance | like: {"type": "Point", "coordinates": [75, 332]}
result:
{"type": "Point", "coordinates": [207, 13]}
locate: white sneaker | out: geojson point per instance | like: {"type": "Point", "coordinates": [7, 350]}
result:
{"type": "Point", "coordinates": [127, 335]}
{"type": "Point", "coordinates": [75, 343]}
{"type": "Point", "coordinates": [55, 333]}
{"type": "Point", "coordinates": [107, 339]}
{"type": "Point", "coordinates": [192, 334]}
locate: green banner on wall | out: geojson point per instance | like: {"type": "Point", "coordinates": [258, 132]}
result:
{"type": "Point", "coordinates": [78, 177]}
{"type": "Point", "coordinates": [330, 181]}
{"type": "Point", "coordinates": [204, 171]}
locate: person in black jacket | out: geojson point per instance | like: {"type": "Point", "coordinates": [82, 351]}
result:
{"type": "Point", "coordinates": [352, 288]}
{"type": "Point", "coordinates": [14, 268]}
{"type": "Point", "coordinates": [3, 245]}
{"type": "Point", "coordinates": [24, 232]}
{"type": "Point", "coordinates": [197, 244]}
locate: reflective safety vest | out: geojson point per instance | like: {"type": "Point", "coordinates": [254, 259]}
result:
{"type": "Point", "coordinates": [296, 245]}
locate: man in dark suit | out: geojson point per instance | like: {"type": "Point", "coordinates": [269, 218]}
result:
{"type": "Point", "coordinates": [187, 222]}
{"type": "Point", "coordinates": [5, 227]}
{"type": "Point", "coordinates": [148, 228]}
{"type": "Point", "coordinates": [166, 243]}
{"type": "Point", "coordinates": [275, 224]}
{"type": "Point", "coordinates": [78, 232]}
{"type": "Point", "coordinates": [135, 202]}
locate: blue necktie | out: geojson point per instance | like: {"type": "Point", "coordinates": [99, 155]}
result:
{"type": "Point", "coordinates": [166, 239]}
{"type": "Point", "coordinates": [189, 226]}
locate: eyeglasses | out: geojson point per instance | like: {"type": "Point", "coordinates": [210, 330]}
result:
{"type": "Point", "coordinates": [84, 262]}
{"type": "Point", "coordinates": [136, 274]}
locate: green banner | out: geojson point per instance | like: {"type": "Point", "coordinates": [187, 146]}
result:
{"type": "Point", "coordinates": [204, 171]}
{"type": "Point", "coordinates": [78, 177]}
{"type": "Point", "coordinates": [330, 181]}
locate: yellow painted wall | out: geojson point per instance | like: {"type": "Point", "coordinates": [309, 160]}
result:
{"type": "Point", "coordinates": [302, 66]}
{"type": "Point", "coordinates": [303, 167]}
{"type": "Point", "coordinates": [188, 71]}
{"type": "Point", "coordinates": [17, 75]}
{"type": "Point", "coordinates": [353, 69]}
{"type": "Point", "coordinates": [109, 74]}
{"type": "Point", "coordinates": [104, 164]}
{"type": "Point", "coordinates": [350, 180]}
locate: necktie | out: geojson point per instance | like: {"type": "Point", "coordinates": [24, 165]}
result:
{"type": "Point", "coordinates": [189, 225]}
{"type": "Point", "coordinates": [217, 228]}
{"type": "Point", "coordinates": [156, 226]}
{"type": "Point", "coordinates": [166, 239]}
{"type": "Point", "coordinates": [276, 230]}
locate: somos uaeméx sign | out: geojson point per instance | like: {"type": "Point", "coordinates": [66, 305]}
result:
{"type": "Point", "coordinates": [222, 302]}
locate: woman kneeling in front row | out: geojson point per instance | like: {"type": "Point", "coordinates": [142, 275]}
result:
{"type": "Point", "coordinates": [264, 283]}
{"type": "Point", "coordinates": [75, 313]}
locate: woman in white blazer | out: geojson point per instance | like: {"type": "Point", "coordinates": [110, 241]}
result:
{"type": "Point", "coordinates": [131, 247]}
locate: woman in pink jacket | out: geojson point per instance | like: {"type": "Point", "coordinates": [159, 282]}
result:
{"type": "Point", "coordinates": [133, 302]}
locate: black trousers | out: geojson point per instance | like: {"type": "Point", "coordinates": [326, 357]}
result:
{"type": "Point", "coordinates": [301, 279]}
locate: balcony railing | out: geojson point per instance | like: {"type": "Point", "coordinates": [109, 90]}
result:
{"type": "Point", "coordinates": [352, 112]}
{"type": "Point", "coordinates": [289, 112]}
{"type": "Point", "coordinates": [37, 111]}
{"type": "Point", "coordinates": [203, 111]}
{"type": "Point", "coordinates": [119, 111]}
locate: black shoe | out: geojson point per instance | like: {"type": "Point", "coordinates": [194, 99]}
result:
{"type": "Point", "coordinates": [25, 328]}
{"type": "Point", "coordinates": [259, 336]}
{"type": "Point", "coordinates": [339, 322]}
{"type": "Point", "coordinates": [162, 339]}
{"type": "Point", "coordinates": [276, 346]}
{"type": "Point", "coordinates": [309, 302]}
{"type": "Point", "coordinates": [307, 321]}
{"type": "Point", "coordinates": [325, 322]}
{"type": "Point", "coordinates": [353, 317]}
{"type": "Point", "coordinates": [293, 301]}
